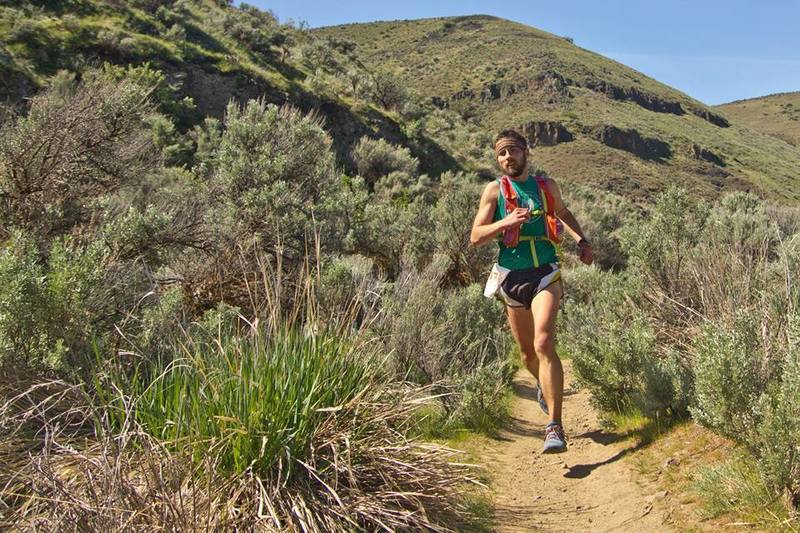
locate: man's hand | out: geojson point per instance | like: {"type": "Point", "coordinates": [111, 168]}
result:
{"type": "Point", "coordinates": [516, 217]}
{"type": "Point", "coordinates": [585, 252]}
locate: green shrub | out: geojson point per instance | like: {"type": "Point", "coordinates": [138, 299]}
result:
{"type": "Point", "coordinates": [207, 136]}
{"type": "Point", "coordinates": [176, 149]}
{"type": "Point", "coordinates": [750, 396]}
{"type": "Point", "coordinates": [735, 486]}
{"type": "Point", "coordinates": [614, 347]}
{"type": "Point", "coordinates": [608, 354]}
{"type": "Point", "coordinates": [394, 233]}
{"type": "Point", "coordinates": [602, 215]}
{"type": "Point", "coordinates": [51, 309]}
{"type": "Point", "coordinates": [453, 339]}
{"type": "Point", "coordinates": [24, 334]}
{"type": "Point", "coordinates": [377, 158]}
{"type": "Point", "coordinates": [385, 88]}
{"type": "Point", "coordinates": [92, 143]}
{"type": "Point", "coordinates": [730, 377]}
{"type": "Point", "coordinates": [452, 217]}
{"type": "Point", "coordinates": [778, 438]}
{"type": "Point", "coordinates": [349, 293]}
{"type": "Point", "coordinates": [482, 398]}
{"type": "Point", "coordinates": [273, 195]}
{"type": "Point", "coordinates": [729, 264]}
{"type": "Point", "coordinates": [661, 247]}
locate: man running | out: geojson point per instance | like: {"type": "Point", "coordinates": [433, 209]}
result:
{"type": "Point", "coordinates": [532, 289]}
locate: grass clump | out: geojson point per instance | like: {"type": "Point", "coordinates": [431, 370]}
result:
{"type": "Point", "coordinates": [736, 487]}
{"type": "Point", "coordinates": [251, 401]}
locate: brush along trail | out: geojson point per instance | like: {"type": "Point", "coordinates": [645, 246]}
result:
{"type": "Point", "coordinates": [588, 488]}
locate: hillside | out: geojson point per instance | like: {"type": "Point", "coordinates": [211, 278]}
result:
{"type": "Point", "coordinates": [590, 118]}
{"type": "Point", "coordinates": [776, 114]}
{"type": "Point", "coordinates": [211, 53]}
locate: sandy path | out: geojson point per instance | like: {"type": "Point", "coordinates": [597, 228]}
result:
{"type": "Point", "coordinates": [588, 488]}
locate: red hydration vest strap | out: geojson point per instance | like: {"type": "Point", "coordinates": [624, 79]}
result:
{"type": "Point", "coordinates": [551, 221]}
{"type": "Point", "coordinates": [510, 196]}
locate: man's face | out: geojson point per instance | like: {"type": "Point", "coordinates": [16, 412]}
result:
{"type": "Point", "coordinates": [511, 156]}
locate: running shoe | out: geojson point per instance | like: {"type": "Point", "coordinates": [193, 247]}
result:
{"type": "Point", "coordinates": [540, 398]}
{"type": "Point", "coordinates": [554, 439]}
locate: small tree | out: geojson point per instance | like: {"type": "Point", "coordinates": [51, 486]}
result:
{"type": "Point", "coordinates": [387, 90]}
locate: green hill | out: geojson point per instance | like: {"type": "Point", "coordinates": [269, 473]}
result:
{"type": "Point", "coordinates": [210, 52]}
{"type": "Point", "coordinates": [590, 118]}
{"type": "Point", "coordinates": [440, 87]}
{"type": "Point", "coordinates": [776, 114]}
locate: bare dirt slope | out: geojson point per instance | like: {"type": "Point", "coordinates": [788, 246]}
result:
{"type": "Point", "coordinates": [588, 488]}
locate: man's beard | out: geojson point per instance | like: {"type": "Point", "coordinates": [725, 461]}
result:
{"type": "Point", "coordinates": [518, 170]}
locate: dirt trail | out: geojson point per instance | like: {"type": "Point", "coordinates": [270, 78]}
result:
{"type": "Point", "coordinates": [588, 488]}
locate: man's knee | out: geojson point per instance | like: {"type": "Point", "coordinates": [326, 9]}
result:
{"type": "Point", "coordinates": [529, 355]}
{"type": "Point", "coordinates": [544, 345]}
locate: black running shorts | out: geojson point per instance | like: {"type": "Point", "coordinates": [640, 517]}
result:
{"type": "Point", "coordinates": [521, 286]}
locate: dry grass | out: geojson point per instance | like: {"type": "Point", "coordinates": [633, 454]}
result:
{"type": "Point", "coordinates": [61, 470]}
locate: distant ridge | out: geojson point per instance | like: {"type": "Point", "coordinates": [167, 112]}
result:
{"type": "Point", "coordinates": [753, 98]}
{"type": "Point", "coordinates": [775, 114]}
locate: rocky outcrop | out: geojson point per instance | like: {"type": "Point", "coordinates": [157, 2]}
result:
{"type": "Point", "coordinates": [631, 94]}
{"type": "Point", "coordinates": [717, 120]}
{"type": "Point", "coordinates": [698, 152]}
{"type": "Point", "coordinates": [556, 87]}
{"type": "Point", "coordinates": [545, 133]}
{"type": "Point", "coordinates": [438, 102]}
{"type": "Point", "coordinates": [632, 141]}
{"type": "Point", "coordinates": [550, 83]}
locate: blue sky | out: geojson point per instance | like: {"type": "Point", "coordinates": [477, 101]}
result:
{"type": "Point", "coordinates": [715, 51]}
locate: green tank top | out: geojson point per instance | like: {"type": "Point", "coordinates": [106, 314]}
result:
{"type": "Point", "coordinates": [534, 248]}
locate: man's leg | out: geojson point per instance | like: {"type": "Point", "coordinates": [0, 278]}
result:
{"type": "Point", "coordinates": [545, 310]}
{"type": "Point", "coordinates": [521, 322]}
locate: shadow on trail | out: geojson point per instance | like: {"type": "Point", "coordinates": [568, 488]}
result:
{"type": "Point", "coordinates": [601, 437]}
{"type": "Point", "coordinates": [582, 471]}
{"type": "Point", "coordinates": [524, 390]}
{"type": "Point", "coordinates": [518, 427]}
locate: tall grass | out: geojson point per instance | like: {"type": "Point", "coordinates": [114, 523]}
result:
{"type": "Point", "coordinates": [250, 401]}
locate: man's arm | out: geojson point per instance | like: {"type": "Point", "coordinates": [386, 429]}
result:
{"type": "Point", "coordinates": [483, 229]}
{"type": "Point", "coordinates": [570, 223]}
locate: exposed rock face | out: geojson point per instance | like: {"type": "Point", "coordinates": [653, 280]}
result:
{"type": "Point", "coordinates": [551, 83]}
{"type": "Point", "coordinates": [557, 87]}
{"type": "Point", "coordinates": [438, 102]}
{"type": "Point", "coordinates": [545, 133]}
{"type": "Point", "coordinates": [717, 120]}
{"type": "Point", "coordinates": [632, 141]}
{"type": "Point", "coordinates": [643, 99]}
{"type": "Point", "coordinates": [464, 94]}
{"type": "Point", "coordinates": [212, 91]}
{"type": "Point", "coordinates": [698, 152]}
